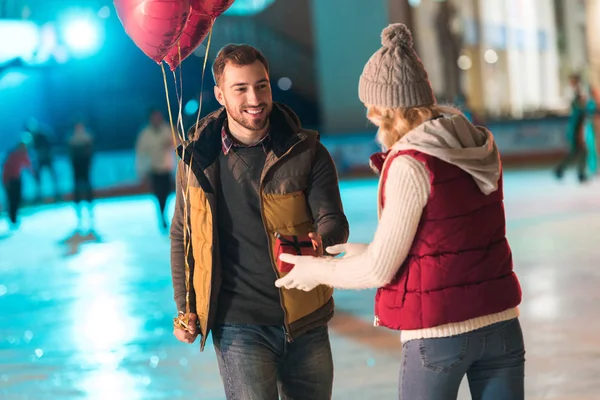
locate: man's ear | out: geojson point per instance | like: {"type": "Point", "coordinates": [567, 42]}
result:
{"type": "Point", "coordinates": [219, 95]}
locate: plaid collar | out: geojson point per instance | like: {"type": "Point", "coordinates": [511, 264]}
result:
{"type": "Point", "coordinates": [227, 142]}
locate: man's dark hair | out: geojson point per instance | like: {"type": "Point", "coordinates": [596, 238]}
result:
{"type": "Point", "coordinates": [237, 54]}
{"type": "Point", "coordinates": [575, 77]}
{"type": "Point", "coordinates": [153, 110]}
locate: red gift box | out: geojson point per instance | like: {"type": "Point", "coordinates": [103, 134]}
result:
{"type": "Point", "coordinates": [290, 244]}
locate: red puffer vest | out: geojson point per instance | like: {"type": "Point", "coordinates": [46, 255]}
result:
{"type": "Point", "coordinates": [459, 266]}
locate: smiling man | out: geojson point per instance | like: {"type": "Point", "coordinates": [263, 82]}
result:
{"type": "Point", "coordinates": [249, 172]}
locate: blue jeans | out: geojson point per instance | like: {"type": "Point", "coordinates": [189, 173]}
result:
{"type": "Point", "coordinates": [256, 363]}
{"type": "Point", "coordinates": [493, 358]}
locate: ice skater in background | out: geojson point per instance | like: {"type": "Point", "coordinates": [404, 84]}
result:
{"type": "Point", "coordinates": [575, 133]}
{"type": "Point", "coordinates": [43, 156]}
{"type": "Point", "coordinates": [591, 115]}
{"type": "Point", "coordinates": [16, 162]}
{"type": "Point", "coordinates": [439, 256]}
{"type": "Point", "coordinates": [156, 160]}
{"type": "Point", "coordinates": [80, 152]}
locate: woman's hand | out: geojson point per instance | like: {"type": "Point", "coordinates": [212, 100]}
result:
{"type": "Point", "coordinates": [305, 274]}
{"type": "Point", "coordinates": [350, 249]}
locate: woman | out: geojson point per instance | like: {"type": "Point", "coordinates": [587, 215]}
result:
{"type": "Point", "coordinates": [439, 256]}
{"type": "Point", "coordinates": [16, 162]}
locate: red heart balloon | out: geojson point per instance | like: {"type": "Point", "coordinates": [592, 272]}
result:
{"type": "Point", "coordinates": [214, 8]}
{"type": "Point", "coordinates": [196, 29]}
{"type": "Point", "coordinates": [153, 25]}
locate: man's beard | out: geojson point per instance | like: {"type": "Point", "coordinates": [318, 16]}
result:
{"type": "Point", "coordinates": [253, 125]}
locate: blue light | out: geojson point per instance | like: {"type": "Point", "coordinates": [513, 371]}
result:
{"type": "Point", "coordinates": [284, 83]}
{"type": "Point", "coordinates": [18, 39]}
{"type": "Point", "coordinates": [248, 7]}
{"type": "Point", "coordinates": [82, 36]}
{"type": "Point", "coordinates": [104, 12]}
{"type": "Point", "coordinates": [191, 107]}
{"type": "Point", "coordinates": [12, 79]}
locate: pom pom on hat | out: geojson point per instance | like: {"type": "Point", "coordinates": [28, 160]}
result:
{"type": "Point", "coordinates": [396, 35]}
{"type": "Point", "coordinates": [394, 76]}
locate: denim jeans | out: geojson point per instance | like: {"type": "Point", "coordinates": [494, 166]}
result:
{"type": "Point", "coordinates": [493, 358]}
{"type": "Point", "coordinates": [257, 363]}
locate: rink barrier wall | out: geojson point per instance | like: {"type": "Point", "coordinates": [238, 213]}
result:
{"type": "Point", "coordinates": [521, 143]}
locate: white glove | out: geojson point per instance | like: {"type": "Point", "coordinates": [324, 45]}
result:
{"type": "Point", "coordinates": [305, 274]}
{"type": "Point", "coordinates": [350, 249]}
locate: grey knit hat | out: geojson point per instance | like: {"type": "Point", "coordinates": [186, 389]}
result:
{"type": "Point", "coordinates": [394, 77]}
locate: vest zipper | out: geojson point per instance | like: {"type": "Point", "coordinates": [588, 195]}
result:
{"type": "Point", "coordinates": [286, 327]}
{"type": "Point", "coordinates": [376, 321]}
{"type": "Point", "coordinates": [204, 335]}
{"type": "Point", "coordinates": [288, 337]}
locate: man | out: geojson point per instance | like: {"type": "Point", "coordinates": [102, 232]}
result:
{"type": "Point", "coordinates": [450, 42]}
{"type": "Point", "coordinates": [575, 133]}
{"type": "Point", "coordinates": [81, 152]}
{"type": "Point", "coordinates": [155, 160]}
{"type": "Point", "coordinates": [44, 156]}
{"type": "Point", "coordinates": [250, 172]}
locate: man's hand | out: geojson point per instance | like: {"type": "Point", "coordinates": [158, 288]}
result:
{"type": "Point", "coordinates": [187, 334]}
{"type": "Point", "coordinates": [317, 242]}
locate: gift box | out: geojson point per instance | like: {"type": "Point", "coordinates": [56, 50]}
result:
{"type": "Point", "coordinates": [290, 244]}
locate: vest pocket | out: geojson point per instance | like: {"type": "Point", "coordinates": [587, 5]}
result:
{"type": "Point", "coordinates": [403, 285]}
{"type": "Point", "coordinates": [287, 214]}
{"type": "Point", "coordinates": [393, 295]}
{"type": "Point", "coordinates": [200, 215]}
{"type": "Point", "coordinates": [325, 293]}
{"type": "Point", "coordinates": [197, 198]}
{"type": "Point", "coordinates": [202, 243]}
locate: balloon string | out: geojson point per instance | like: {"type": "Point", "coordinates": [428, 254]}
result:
{"type": "Point", "coordinates": [179, 92]}
{"type": "Point", "coordinates": [187, 232]}
{"type": "Point", "coordinates": [202, 83]}
{"type": "Point", "coordinates": [179, 123]}
{"type": "Point", "coordinates": [162, 66]}
{"type": "Point", "coordinates": [185, 216]}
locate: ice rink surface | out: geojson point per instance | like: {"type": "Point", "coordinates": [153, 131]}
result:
{"type": "Point", "coordinates": [90, 317]}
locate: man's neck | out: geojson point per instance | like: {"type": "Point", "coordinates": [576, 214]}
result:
{"type": "Point", "coordinates": [246, 136]}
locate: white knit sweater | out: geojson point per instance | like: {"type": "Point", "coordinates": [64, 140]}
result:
{"type": "Point", "coordinates": [154, 150]}
{"type": "Point", "coordinates": [406, 194]}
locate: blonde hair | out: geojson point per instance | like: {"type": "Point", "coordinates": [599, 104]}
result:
{"type": "Point", "coordinates": [394, 123]}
